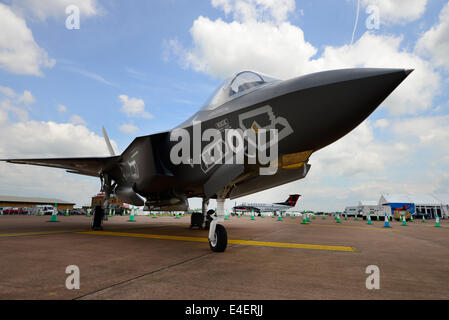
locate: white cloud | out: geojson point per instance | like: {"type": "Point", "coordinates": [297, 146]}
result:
{"type": "Point", "coordinates": [222, 48]}
{"type": "Point", "coordinates": [19, 53]}
{"type": "Point", "coordinates": [357, 154]}
{"type": "Point", "coordinates": [77, 120]}
{"type": "Point", "coordinates": [398, 11]}
{"type": "Point", "coordinates": [43, 9]}
{"type": "Point", "coordinates": [359, 166]}
{"type": "Point", "coordinates": [18, 104]}
{"type": "Point", "coordinates": [172, 48]}
{"type": "Point", "coordinates": [26, 98]}
{"type": "Point", "coordinates": [3, 116]}
{"type": "Point", "coordinates": [20, 112]}
{"type": "Point", "coordinates": [62, 108]}
{"type": "Point", "coordinates": [33, 139]}
{"type": "Point", "coordinates": [134, 107]}
{"type": "Point", "coordinates": [252, 10]}
{"type": "Point", "coordinates": [435, 42]}
{"type": "Point", "coordinates": [381, 123]}
{"type": "Point", "coordinates": [431, 132]}
{"type": "Point", "coordinates": [50, 139]}
{"type": "Point", "coordinates": [353, 168]}
{"type": "Point", "coordinates": [8, 92]}
{"type": "Point", "coordinates": [128, 128]}
{"type": "Point", "coordinates": [415, 94]}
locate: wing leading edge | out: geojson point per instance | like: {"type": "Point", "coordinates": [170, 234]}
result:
{"type": "Point", "coordinates": [84, 166]}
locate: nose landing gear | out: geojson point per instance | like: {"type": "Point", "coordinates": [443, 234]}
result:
{"type": "Point", "coordinates": [219, 240]}
{"type": "Point", "coordinates": [218, 237]}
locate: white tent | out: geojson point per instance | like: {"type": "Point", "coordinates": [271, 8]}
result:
{"type": "Point", "coordinates": [424, 203]}
{"type": "Point", "coordinates": [444, 200]}
{"type": "Point", "coordinates": [386, 198]}
{"type": "Point", "coordinates": [424, 200]}
{"type": "Point", "coordinates": [368, 203]}
{"type": "Point", "coordinates": [370, 207]}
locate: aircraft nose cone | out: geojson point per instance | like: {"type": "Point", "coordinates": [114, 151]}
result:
{"type": "Point", "coordinates": [329, 105]}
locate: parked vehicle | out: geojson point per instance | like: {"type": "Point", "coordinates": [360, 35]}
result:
{"type": "Point", "coordinates": [417, 215]}
{"type": "Point", "coordinates": [78, 212]}
{"type": "Point", "coordinates": [45, 209]}
{"type": "Point", "coordinates": [16, 211]}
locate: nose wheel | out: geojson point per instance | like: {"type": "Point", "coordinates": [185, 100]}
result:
{"type": "Point", "coordinates": [218, 237]}
{"type": "Point", "coordinates": [219, 240]}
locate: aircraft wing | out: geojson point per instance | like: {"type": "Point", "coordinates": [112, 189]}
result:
{"type": "Point", "coordinates": [83, 166]}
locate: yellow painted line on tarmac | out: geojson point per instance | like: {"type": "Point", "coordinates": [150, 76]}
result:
{"type": "Point", "coordinates": [347, 227]}
{"type": "Point", "coordinates": [240, 242]}
{"type": "Point", "coordinates": [292, 245]}
{"type": "Point", "coordinates": [144, 235]}
{"type": "Point", "coordinates": [6, 235]}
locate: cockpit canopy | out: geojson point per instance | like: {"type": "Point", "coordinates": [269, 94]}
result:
{"type": "Point", "coordinates": [240, 84]}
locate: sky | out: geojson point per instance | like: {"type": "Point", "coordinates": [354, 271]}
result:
{"type": "Point", "coordinates": [141, 67]}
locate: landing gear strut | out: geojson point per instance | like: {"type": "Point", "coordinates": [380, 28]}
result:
{"type": "Point", "coordinates": [218, 237]}
{"type": "Point", "coordinates": [204, 206]}
{"type": "Point", "coordinates": [100, 213]}
{"type": "Point", "coordinates": [97, 219]}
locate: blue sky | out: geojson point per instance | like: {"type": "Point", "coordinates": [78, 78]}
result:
{"type": "Point", "coordinates": [158, 54]}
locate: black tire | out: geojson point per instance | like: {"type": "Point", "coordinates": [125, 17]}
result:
{"type": "Point", "coordinates": [221, 239]}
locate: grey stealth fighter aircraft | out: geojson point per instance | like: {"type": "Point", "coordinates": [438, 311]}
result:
{"type": "Point", "coordinates": [295, 117]}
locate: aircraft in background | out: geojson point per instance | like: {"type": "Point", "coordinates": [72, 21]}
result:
{"type": "Point", "coordinates": [268, 207]}
{"type": "Point", "coordinates": [306, 113]}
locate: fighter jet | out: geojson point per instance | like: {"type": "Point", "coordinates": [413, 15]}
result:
{"type": "Point", "coordinates": [257, 115]}
{"type": "Point", "coordinates": [268, 207]}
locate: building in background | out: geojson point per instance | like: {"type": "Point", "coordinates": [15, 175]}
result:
{"type": "Point", "coordinates": [410, 204]}
{"type": "Point", "coordinates": [352, 211]}
{"type": "Point", "coordinates": [444, 199]}
{"type": "Point", "coordinates": [369, 208]}
{"type": "Point", "coordinates": [30, 202]}
{"type": "Point", "coordinates": [98, 200]}
{"type": "Point", "coordinates": [419, 204]}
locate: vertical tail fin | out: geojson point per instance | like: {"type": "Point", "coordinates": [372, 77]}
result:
{"type": "Point", "coordinates": [292, 200]}
{"type": "Point", "coordinates": [108, 142]}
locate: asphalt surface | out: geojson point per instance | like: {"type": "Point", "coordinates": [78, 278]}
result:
{"type": "Point", "coordinates": [162, 259]}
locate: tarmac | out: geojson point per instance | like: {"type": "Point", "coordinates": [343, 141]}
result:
{"type": "Point", "coordinates": [265, 259]}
